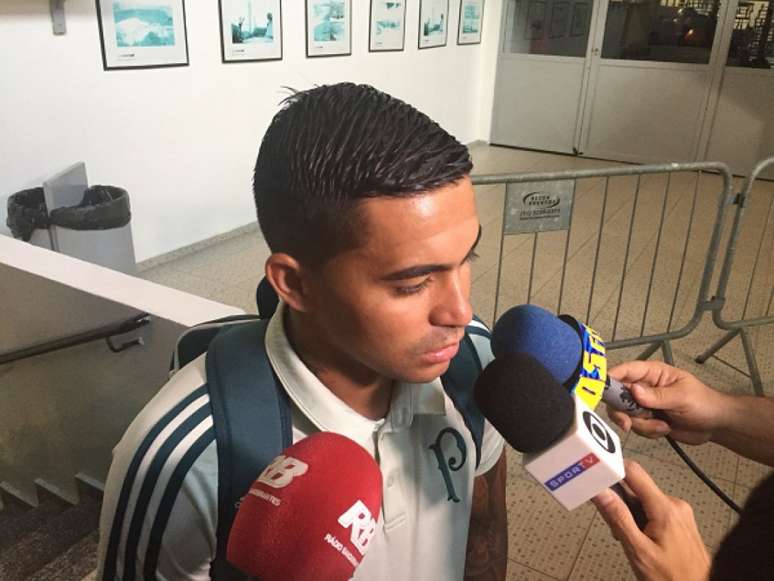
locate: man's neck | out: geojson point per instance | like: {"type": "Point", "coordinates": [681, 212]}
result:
{"type": "Point", "coordinates": [362, 389]}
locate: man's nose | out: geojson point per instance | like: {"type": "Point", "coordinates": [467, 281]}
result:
{"type": "Point", "coordinates": [453, 308]}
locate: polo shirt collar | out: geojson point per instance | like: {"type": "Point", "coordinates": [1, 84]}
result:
{"type": "Point", "coordinates": [330, 414]}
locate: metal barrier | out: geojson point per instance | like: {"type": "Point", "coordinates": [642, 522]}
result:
{"type": "Point", "coordinates": [638, 225]}
{"type": "Point", "coordinates": [758, 287]}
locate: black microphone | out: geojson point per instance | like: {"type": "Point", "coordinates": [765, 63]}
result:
{"type": "Point", "coordinates": [567, 447]}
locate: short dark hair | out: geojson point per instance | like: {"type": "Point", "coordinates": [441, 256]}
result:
{"type": "Point", "coordinates": [332, 146]}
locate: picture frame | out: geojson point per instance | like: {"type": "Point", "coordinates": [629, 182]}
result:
{"type": "Point", "coordinates": [433, 23]}
{"type": "Point", "coordinates": [387, 26]}
{"type": "Point", "coordinates": [580, 17]}
{"type": "Point", "coordinates": [250, 30]}
{"type": "Point", "coordinates": [470, 22]}
{"type": "Point", "coordinates": [560, 17]}
{"type": "Point", "coordinates": [328, 28]}
{"type": "Point", "coordinates": [142, 34]}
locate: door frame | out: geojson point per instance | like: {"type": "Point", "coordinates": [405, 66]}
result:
{"type": "Point", "coordinates": [503, 57]}
{"type": "Point", "coordinates": [714, 69]}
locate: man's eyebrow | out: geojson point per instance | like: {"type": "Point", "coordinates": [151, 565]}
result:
{"type": "Point", "coordinates": [425, 269]}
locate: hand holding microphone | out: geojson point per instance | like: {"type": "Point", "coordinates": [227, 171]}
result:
{"type": "Point", "coordinates": [311, 514]}
{"type": "Point", "coordinates": [575, 356]}
{"type": "Point", "coordinates": [694, 410]}
{"type": "Point", "coordinates": [670, 546]}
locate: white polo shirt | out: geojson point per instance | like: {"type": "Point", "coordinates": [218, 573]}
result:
{"type": "Point", "coordinates": [426, 454]}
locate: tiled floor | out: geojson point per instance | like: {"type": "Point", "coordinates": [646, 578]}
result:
{"type": "Point", "coordinates": [545, 541]}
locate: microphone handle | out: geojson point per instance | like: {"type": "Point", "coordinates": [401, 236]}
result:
{"type": "Point", "coordinates": [619, 397]}
{"type": "Point", "coordinates": [633, 504]}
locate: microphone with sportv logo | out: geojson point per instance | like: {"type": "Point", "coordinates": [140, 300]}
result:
{"type": "Point", "coordinates": [571, 351]}
{"type": "Point", "coordinates": [566, 446]}
{"type": "Point", "coordinates": [311, 514]}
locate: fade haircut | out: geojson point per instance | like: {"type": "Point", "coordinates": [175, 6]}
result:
{"type": "Point", "coordinates": [333, 146]}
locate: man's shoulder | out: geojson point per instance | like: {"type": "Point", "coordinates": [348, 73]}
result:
{"type": "Point", "coordinates": [182, 404]}
{"type": "Point", "coordinates": [169, 447]}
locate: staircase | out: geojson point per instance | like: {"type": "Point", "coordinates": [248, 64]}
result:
{"type": "Point", "coordinates": [55, 540]}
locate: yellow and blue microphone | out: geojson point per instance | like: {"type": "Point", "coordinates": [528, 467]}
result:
{"type": "Point", "coordinates": [571, 351]}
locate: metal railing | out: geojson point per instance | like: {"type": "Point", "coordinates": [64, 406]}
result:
{"type": "Point", "coordinates": [107, 332]}
{"type": "Point", "coordinates": [755, 281]}
{"type": "Point", "coordinates": [622, 221]}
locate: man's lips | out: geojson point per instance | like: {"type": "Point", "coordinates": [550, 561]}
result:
{"type": "Point", "coordinates": [442, 354]}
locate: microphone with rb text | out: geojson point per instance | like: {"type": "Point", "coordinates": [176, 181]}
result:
{"type": "Point", "coordinates": [566, 446]}
{"type": "Point", "coordinates": [311, 514]}
{"type": "Point", "coordinates": [573, 353]}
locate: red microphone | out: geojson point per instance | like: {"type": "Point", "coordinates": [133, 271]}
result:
{"type": "Point", "coordinates": [311, 514]}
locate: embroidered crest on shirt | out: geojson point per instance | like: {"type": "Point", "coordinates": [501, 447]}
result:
{"type": "Point", "coordinates": [453, 463]}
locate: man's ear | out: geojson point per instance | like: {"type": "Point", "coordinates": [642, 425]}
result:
{"type": "Point", "coordinates": [288, 278]}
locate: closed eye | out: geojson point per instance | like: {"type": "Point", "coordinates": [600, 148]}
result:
{"type": "Point", "coordinates": [413, 289]}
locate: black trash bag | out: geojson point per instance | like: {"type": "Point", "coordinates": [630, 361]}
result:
{"type": "Point", "coordinates": [26, 212]}
{"type": "Point", "coordinates": [102, 208]}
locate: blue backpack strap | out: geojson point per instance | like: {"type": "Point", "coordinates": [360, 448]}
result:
{"type": "Point", "coordinates": [458, 382]}
{"type": "Point", "coordinates": [196, 340]}
{"type": "Point", "coordinates": [251, 414]}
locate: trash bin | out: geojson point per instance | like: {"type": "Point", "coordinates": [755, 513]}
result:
{"type": "Point", "coordinates": [28, 217]}
{"type": "Point", "coordinates": [97, 229]}
{"type": "Point", "coordinates": [102, 208]}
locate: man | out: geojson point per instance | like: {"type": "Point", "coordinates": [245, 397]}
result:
{"type": "Point", "coordinates": [671, 547]}
{"type": "Point", "coordinates": [370, 215]}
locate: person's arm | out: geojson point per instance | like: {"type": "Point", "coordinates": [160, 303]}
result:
{"type": "Point", "coordinates": [694, 412]}
{"type": "Point", "coordinates": [486, 557]}
{"type": "Point", "coordinates": [670, 547]}
{"type": "Point", "coordinates": [747, 428]}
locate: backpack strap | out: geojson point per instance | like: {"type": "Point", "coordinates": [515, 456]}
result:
{"type": "Point", "coordinates": [458, 382]}
{"type": "Point", "coordinates": [251, 414]}
{"type": "Point", "coordinates": [196, 340]}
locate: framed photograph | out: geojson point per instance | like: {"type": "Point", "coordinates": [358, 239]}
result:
{"type": "Point", "coordinates": [250, 30]}
{"type": "Point", "coordinates": [433, 23]}
{"type": "Point", "coordinates": [560, 18]}
{"type": "Point", "coordinates": [536, 20]}
{"type": "Point", "coordinates": [388, 25]}
{"type": "Point", "coordinates": [328, 27]}
{"type": "Point", "coordinates": [139, 34]}
{"type": "Point", "coordinates": [471, 21]}
{"type": "Point", "coordinates": [580, 19]}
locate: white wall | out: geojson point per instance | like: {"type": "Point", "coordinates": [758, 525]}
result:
{"type": "Point", "coordinates": [743, 127]}
{"type": "Point", "coordinates": [183, 141]}
{"type": "Point", "coordinates": [490, 47]}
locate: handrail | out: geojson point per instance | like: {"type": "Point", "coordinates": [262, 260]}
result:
{"type": "Point", "coordinates": [106, 332]}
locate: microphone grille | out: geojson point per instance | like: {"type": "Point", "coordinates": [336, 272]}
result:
{"type": "Point", "coordinates": [524, 402]}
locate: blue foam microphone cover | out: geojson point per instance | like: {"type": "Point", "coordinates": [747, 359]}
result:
{"type": "Point", "coordinates": [534, 330]}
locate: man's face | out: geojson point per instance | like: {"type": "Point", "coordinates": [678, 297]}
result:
{"type": "Point", "coordinates": [397, 305]}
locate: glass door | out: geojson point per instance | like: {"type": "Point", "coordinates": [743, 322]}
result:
{"type": "Point", "coordinates": [541, 73]}
{"type": "Point", "coordinates": [653, 65]}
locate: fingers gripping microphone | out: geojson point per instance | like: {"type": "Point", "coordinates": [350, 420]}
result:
{"type": "Point", "coordinates": [571, 351]}
{"type": "Point", "coordinates": [311, 514]}
{"type": "Point", "coordinates": [566, 446]}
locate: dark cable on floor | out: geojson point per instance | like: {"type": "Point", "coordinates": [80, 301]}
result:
{"type": "Point", "coordinates": [704, 478]}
